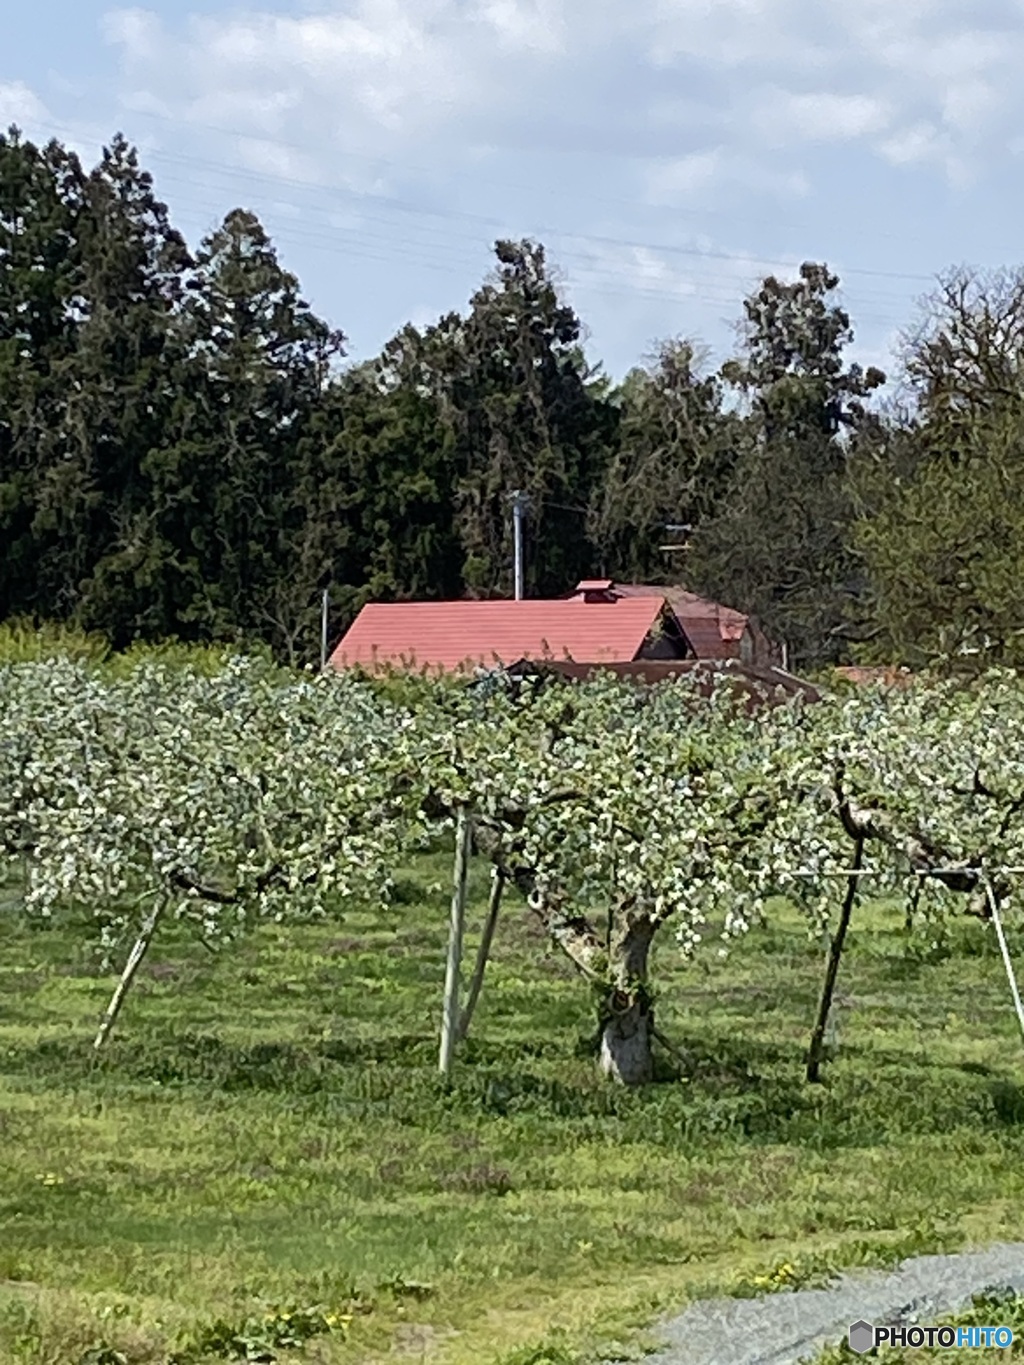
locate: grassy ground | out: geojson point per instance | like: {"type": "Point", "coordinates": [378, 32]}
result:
{"type": "Point", "coordinates": [267, 1135]}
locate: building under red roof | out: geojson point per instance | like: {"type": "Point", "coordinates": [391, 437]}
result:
{"type": "Point", "coordinates": [714, 631]}
{"type": "Point", "coordinates": [473, 634]}
{"type": "Point", "coordinates": [601, 622]}
{"type": "Point", "coordinates": [760, 684]}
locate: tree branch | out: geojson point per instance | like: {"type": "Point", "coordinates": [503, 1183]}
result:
{"type": "Point", "coordinates": [572, 933]}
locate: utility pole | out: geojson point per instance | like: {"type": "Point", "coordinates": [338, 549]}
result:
{"type": "Point", "coordinates": [520, 503]}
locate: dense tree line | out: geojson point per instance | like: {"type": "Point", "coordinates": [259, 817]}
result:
{"type": "Point", "coordinates": [184, 452]}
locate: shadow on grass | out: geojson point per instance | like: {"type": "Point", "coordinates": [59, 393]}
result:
{"type": "Point", "coordinates": [730, 1087]}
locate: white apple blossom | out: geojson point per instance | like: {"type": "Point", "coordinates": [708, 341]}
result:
{"type": "Point", "coordinates": [254, 793]}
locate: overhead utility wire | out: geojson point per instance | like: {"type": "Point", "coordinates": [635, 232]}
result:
{"type": "Point", "coordinates": [753, 259]}
{"type": "Point", "coordinates": [574, 194]}
{"type": "Point", "coordinates": [445, 233]}
{"type": "Point", "coordinates": [597, 275]}
{"type": "Point", "coordinates": [582, 276]}
{"type": "Point", "coordinates": [602, 281]}
{"type": "Point", "coordinates": [578, 273]}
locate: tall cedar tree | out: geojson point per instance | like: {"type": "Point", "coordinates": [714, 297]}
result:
{"type": "Point", "coordinates": [387, 485]}
{"type": "Point", "coordinates": [780, 547]}
{"type": "Point", "coordinates": [262, 360]}
{"type": "Point", "coordinates": [110, 556]}
{"type": "Point", "coordinates": [41, 193]}
{"type": "Point", "coordinates": [673, 464]}
{"type": "Point", "coordinates": [512, 385]}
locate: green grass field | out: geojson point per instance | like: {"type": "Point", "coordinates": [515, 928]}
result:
{"type": "Point", "coordinates": [266, 1135]}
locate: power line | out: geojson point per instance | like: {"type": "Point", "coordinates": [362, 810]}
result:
{"type": "Point", "coordinates": [575, 194]}
{"type": "Point", "coordinates": [444, 257]}
{"type": "Point", "coordinates": [598, 277]}
{"type": "Point", "coordinates": [754, 260]}
{"type": "Point", "coordinates": [444, 250]}
{"type": "Point", "coordinates": [447, 234]}
{"type": "Point", "coordinates": [375, 159]}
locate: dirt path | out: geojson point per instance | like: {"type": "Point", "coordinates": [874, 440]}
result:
{"type": "Point", "coordinates": [789, 1328]}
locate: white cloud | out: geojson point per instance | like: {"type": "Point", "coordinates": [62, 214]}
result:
{"type": "Point", "coordinates": [696, 271]}
{"type": "Point", "coordinates": [21, 106]}
{"type": "Point", "coordinates": [704, 176]}
{"type": "Point", "coordinates": [734, 33]}
{"type": "Point", "coordinates": [670, 181]}
{"type": "Point", "coordinates": [783, 63]}
{"type": "Point", "coordinates": [271, 158]}
{"type": "Point", "coordinates": [969, 105]}
{"type": "Point", "coordinates": [469, 119]}
{"type": "Point", "coordinates": [530, 25]}
{"type": "Point", "coordinates": [766, 75]}
{"type": "Point", "coordinates": [919, 142]}
{"type": "Point", "coordinates": [653, 293]}
{"type": "Point", "coordinates": [136, 30]}
{"type": "Point", "coordinates": [820, 116]}
{"type": "Point", "coordinates": [387, 63]}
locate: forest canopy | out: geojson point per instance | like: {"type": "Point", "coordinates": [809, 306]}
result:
{"type": "Point", "coordinates": [185, 452]}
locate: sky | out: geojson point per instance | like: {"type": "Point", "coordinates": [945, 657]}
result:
{"type": "Point", "coordinates": [667, 153]}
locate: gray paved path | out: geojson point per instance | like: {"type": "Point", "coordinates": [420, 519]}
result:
{"type": "Point", "coordinates": [789, 1328]}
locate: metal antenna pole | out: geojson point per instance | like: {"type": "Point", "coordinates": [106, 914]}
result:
{"type": "Point", "coordinates": [323, 630]}
{"type": "Point", "coordinates": [519, 505]}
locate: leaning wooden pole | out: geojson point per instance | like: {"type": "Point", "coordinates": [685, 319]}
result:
{"type": "Point", "coordinates": [993, 904]}
{"type": "Point", "coordinates": [456, 929]}
{"type": "Point", "coordinates": [835, 952]}
{"type": "Point", "coordinates": [483, 953]}
{"type": "Point", "coordinates": [135, 957]}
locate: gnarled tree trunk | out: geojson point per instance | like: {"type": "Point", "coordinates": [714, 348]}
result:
{"type": "Point", "coordinates": [617, 970]}
{"type": "Point", "coordinates": [626, 1012]}
{"type": "Point", "coordinates": [626, 1035]}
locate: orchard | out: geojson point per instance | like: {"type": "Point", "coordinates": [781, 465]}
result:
{"type": "Point", "coordinates": [618, 813]}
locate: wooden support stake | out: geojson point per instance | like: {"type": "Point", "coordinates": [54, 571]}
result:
{"type": "Point", "coordinates": [483, 952]}
{"type": "Point", "coordinates": [457, 925]}
{"type": "Point", "coordinates": [135, 957]}
{"type": "Point", "coordinates": [993, 903]}
{"type": "Point", "coordinates": [835, 952]}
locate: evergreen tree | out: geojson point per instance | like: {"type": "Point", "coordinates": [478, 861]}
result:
{"type": "Point", "coordinates": [262, 361]}
{"type": "Point", "coordinates": [512, 383]}
{"type": "Point", "coordinates": [780, 548]}
{"type": "Point", "coordinates": [676, 453]}
{"type": "Point", "coordinates": [41, 192]}
{"type": "Point", "coordinates": [389, 485]}
{"type": "Point", "coordinates": [105, 553]}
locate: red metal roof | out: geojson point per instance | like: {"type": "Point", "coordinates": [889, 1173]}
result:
{"type": "Point", "coordinates": [451, 635]}
{"type": "Point", "coordinates": [714, 631]}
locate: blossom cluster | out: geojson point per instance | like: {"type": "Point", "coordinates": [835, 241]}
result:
{"type": "Point", "coordinates": [252, 793]}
